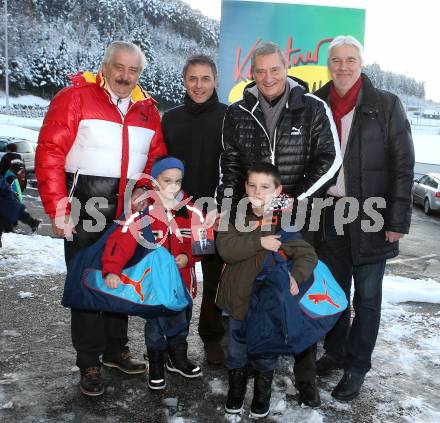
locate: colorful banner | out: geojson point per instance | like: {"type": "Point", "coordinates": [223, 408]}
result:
{"type": "Point", "coordinates": [303, 32]}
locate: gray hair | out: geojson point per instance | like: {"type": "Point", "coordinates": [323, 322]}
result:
{"type": "Point", "coordinates": [265, 48]}
{"type": "Point", "coordinates": [129, 47]}
{"type": "Point", "coordinates": [347, 40]}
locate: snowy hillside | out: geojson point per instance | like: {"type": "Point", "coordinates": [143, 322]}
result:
{"type": "Point", "coordinates": [50, 39]}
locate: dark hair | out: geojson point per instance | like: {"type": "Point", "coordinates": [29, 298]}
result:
{"type": "Point", "coordinates": [267, 169]}
{"type": "Point", "coordinates": [199, 59]}
{"type": "Point", "coordinates": [16, 165]}
{"type": "Point", "coordinates": [12, 147]}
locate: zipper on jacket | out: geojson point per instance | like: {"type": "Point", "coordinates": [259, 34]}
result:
{"type": "Point", "coordinates": [272, 150]}
{"type": "Point", "coordinates": [283, 319]}
{"type": "Point", "coordinates": [74, 183]}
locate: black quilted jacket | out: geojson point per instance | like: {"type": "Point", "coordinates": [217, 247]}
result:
{"type": "Point", "coordinates": [305, 147]}
{"type": "Point", "coordinates": [378, 162]}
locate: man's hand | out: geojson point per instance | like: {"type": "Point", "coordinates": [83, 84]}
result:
{"type": "Point", "coordinates": [271, 243]}
{"type": "Point", "coordinates": [181, 260]}
{"type": "Point", "coordinates": [63, 226]}
{"type": "Point", "coordinates": [112, 280]}
{"type": "Point", "coordinates": [138, 204]}
{"type": "Point", "coordinates": [294, 290]}
{"type": "Point", "coordinates": [393, 236]}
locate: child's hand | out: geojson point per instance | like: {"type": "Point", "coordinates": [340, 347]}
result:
{"type": "Point", "coordinates": [112, 280]}
{"type": "Point", "coordinates": [181, 260]}
{"type": "Point", "coordinates": [294, 290]}
{"type": "Point", "coordinates": [271, 243]}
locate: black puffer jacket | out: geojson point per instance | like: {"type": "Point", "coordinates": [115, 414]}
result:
{"type": "Point", "coordinates": [378, 162]}
{"type": "Point", "coordinates": [306, 146]}
{"type": "Point", "coordinates": [193, 133]}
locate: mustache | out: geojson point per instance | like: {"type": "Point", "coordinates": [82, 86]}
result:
{"type": "Point", "coordinates": [122, 82]}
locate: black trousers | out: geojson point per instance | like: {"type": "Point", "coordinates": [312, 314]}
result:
{"type": "Point", "coordinates": [352, 343]}
{"type": "Point", "coordinates": [211, 328]}
{"type": "Point", "coordinates": [94, 333]}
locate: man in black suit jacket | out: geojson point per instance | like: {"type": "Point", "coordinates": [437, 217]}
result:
{"type": "Point", "coordinates": [203, 245]}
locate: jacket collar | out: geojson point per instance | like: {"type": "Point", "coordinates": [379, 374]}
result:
{"type": "Point", "coordinates": [84, 78]}
{"type": "Point", "coordinates": [197, 108]}
{"type": "Point", "coordinates": [179, 210]}
{"type": "Point", "coordinates": [368, 97]}
{"type": "Point", "coordinates": [297, 88]}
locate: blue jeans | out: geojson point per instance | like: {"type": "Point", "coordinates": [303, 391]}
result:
{"type": "Point", "coordinates": [237, 357]}
{"type": "Point", "coordinates": [169, 331]}
{"type": "Point", "coordinates": [352, 345]}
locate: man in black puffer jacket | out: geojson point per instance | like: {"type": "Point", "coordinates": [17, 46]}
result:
{"type": "Point", "coordinates": [279, 122]}
{"type": "Point", "coordinates": [378, 163]}
{"type": "Point", "coordinates": [192, 132]}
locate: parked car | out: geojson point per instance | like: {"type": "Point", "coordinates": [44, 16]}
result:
{"type": "Point", "coordinates": [26, 140]}
{"type": "Point", "coordinates": [426, 192]}
{"type": "Point", "coordinates": [24, 148]}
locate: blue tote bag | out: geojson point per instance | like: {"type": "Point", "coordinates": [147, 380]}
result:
{"type": "Point", "coordinates": [279, 323]}
{"type": "Point", "coordinates": [151, 283]}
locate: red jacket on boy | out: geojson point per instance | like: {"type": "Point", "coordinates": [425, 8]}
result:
{"type": "Point", "coordinates": [171, 229]}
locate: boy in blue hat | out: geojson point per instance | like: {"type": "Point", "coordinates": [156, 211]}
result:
{"type": "Point", "coordinates": [172, 215]}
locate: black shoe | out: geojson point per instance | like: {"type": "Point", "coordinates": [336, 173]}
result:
{"type": "Point", "coordinates": [178, 363]}
{"type": "Point", "coordinates": [237, 390]}
{"type": "Point", "coordinates": [156, 369]}
{"type": "Point", "coordinates": [34, 225]}
{"type": "Point", "coordinates": [262, 392]}
{"type": "Point", "coordinates": [214, 353]}
{"type": "Point", "coordinates": [126, 363]}
{"type": "Point", "coordinates": [308, 394]}
{"type": "Point", "coordinates": [31, 222]}
{"type": "Point", "coordinates": [327, 364]}
{"type": "Point", "coordinates": [348, 387]}
{"type": "Point", "coordinates": [91, 382]}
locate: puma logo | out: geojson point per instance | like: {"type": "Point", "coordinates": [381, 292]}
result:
{"type": "Point", "coordinates": [137, 285]}
{"type": "Point", "coordinates": [317, 298]}
{"type": "Point", "coordinates": [296, 131]}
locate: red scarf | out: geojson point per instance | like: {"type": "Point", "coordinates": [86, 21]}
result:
{"type": "Point", "coordinates": [342, 105]}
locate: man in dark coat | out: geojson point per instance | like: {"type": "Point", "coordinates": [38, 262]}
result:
{"type": "Point", "coordinates": [279, 122]}
{"type": "Point", "coordinates": [192, 133]}
{"type": "Point", "coordinates": [377, 176]}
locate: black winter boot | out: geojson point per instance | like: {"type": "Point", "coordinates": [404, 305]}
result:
{"type": "Point", "coordinates": [348, 387]}
{"type": "Point", "coordinates": [30, 221]}
{"type": "Point", "coordinates": [262, 392]}
{"type": "Point", "coordinates": [156, 369]}
{"type": "Point", "coordinates": [308, 394]}
{"type": "Point", "coordinates": [178, 362]}
{"type": "Point", "coordinates": [237, 390]}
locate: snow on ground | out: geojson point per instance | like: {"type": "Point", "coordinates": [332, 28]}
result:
{"type": "Point", "coordinates": [31, 123]}
{"type": "Point", "coordinates": [404, 380]}
{"type": "Point", "coordinates": [27, 100]}
{"type": "Point", "coordinates": [16, 131]}
{"type": "Point", "coordinates": [23, 255]}
{"type": "Point", "coordinates": [427, 145]}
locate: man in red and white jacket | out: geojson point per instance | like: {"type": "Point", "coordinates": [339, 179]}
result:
{"type": "Point", "coordinates": [97, 135]}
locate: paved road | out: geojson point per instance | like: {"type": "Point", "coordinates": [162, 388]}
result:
{"type": "Point", "coordinates": [38, 380]}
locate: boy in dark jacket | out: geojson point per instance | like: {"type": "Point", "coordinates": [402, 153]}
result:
{"type": "Point", "coordinates": [244, 253]}
{"type": "Point", "coordinates": [171, 217]}
{"type": "Point", "coordinates": [12, 208]}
